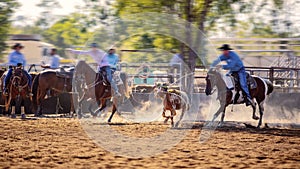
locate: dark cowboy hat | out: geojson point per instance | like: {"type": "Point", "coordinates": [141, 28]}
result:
{"type": "Point", "coordinates": [94, 45]}
{"type": "Point", "coordinates": [17, 45]}
{"type": "Point", "coordinates": [225, 47]}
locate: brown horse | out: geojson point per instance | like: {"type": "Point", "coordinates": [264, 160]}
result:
{"type": "Point", "coordinates": [226, 96]}
{"type": "Point", "coordinates": [53, 83]}
{"type": "Point", "coordinates": [172, 100]}
{"type": "Point", "coordinates": [96, 88]}
{"type": "Point", "coordinates": [18, 93]}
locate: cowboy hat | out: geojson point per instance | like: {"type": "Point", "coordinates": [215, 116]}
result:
{"type": "Point", "coordinates": [17, 45]}
{"type": "Point", "coordinates": [225, 47]}
{"type": "Point", "coordinates": [94, 45]}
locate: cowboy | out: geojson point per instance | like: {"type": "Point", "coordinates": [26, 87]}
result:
{"type": "Point", "coordinates": [96, 53]}
{"type": "Point", "coordinates": [234, 65]}
{"type": "Point", "coordinates": [15, 59]}
{"type": "Point", "coordinates": [55, 60]}
{"type": "Point", "coordinates": [109, 65]}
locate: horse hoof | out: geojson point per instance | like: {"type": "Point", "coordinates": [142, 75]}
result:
{"type": "Point", "coordinates": [23, 116]}
{"type": "Point", "coordinates": [255, 118]}
{"type": "Point", "coordinates": [13, 116]}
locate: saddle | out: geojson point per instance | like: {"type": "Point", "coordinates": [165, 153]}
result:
{"type": "Point", "coordinates": [65, 72]}
{"type": "Point", "coordinates": [101, 75]}
{"type": "Point", "coordinates": [251, 83]}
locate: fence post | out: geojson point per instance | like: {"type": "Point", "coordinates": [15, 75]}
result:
{"type": "Point", "coordinates": [271, 74]}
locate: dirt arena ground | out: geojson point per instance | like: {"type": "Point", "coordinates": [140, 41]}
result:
{"type": "Point", "coordinates": [62, 143]}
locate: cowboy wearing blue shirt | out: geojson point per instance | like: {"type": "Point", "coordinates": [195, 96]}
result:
{"type": "Point", "coordinates": [234, 65]}
{"type": "Point", "coordinates": [15, 58]}
{"type": "Point", "coordinates": [54, 63]}
{"type": "Point", "coordinates": [109, 65]}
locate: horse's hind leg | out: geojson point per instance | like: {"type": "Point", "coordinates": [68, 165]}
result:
{"type": "Point", "coordinates": [112, 113]}
{"type": "Point", "coordinates": [261, 113]}
{"type": "Point", "coordinates": [253, 112]}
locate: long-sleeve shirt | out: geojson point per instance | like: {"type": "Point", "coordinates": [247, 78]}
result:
{"type": "Point", "coordinates": [97, 55]}
{"type": "Point", "coordinates": [55, 62]}
{"type": "Point", "coordinates": [110, 60]}
{"type": "Point", "coordinates": [16, 57]}
{"type": "Point", "coordinates": [234, 63]}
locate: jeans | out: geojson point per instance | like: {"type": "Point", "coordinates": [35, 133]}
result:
{"type": "Point", "coordinates": [109, 75]}
{"type": "Point", "coordinates": [9, 74]}
{"type": "Point", "coordinates": [243, 82]}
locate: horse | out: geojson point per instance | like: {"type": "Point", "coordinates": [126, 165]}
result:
{"type": "Point", "coordinates": [19, 91]}
{"type": "Point", "coordinates": [226, 96]}
{"type": "Point", "coordinates": [51, 82]}
{"type": "Point", "coordinates": [2, 98]}
{"type": "Point", "coordinates": [172, 100]}
{"type": "Point", "coordinates": [97, 88]}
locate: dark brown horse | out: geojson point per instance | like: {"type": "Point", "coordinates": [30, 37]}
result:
{"type": "Point", "coordinates": [96, 88]}
{"type": "Point", "coordinates": [18, 93]}
{"type": "Point", "coordinates": [50, 83]}
{"type": "Point", "coordinates": [172, 100]}
{"type": "Point", "coordinates": [226, 96]}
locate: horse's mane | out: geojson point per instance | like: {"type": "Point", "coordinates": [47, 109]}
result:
{"type": "Point", "coordinates": [219, 80]}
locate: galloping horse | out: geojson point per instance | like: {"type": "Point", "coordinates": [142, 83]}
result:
{"type": "Point", "coordinates": [226, 96]}
{"type": "Point", "coordinates": [53, 83]}
{"type": "Point", "coordinates": [18, 93]}
{"type": "Point", "coordinates": [172, 100]}
{"type": "Point", "coordinates": [96, 88]}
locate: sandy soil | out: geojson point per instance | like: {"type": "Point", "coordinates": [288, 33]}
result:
{"type": "Point", "coordinates": [62, 143]}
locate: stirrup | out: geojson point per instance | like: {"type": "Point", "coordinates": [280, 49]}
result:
{"type": "Point", "coordinates": [5, 92]}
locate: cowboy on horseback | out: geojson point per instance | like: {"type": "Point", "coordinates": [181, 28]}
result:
{"type": "Point", "coordinates": [109, 65]}
{"type": "Point", "coordinates": [15, 59]}
{"type": "Point", "coordinates": [234, 65]}
{"type": "Point", "coordinates": [106, 62]}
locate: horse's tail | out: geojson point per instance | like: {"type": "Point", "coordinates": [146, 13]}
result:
{"type": "Point", "coordinates": [270, 87]}
{"type": "Point", "coordinates": [34, 87]}
{"type": "Point", "coordinates": [124, 78]}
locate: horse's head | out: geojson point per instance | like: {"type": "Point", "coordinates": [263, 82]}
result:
{"type": "Point", "coordinates": [212, 79]}
{"type": "Point", "coordinates": [160, 89]}
{"type": "Point", "coordinates": [18, 77]}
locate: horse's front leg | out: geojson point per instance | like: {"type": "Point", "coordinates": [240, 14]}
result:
{"type": "Point", "coordinates": [216, 115]}
{"type": "Point", "coordinates": [173, 113]}
{"type": "Point", "coordinates": [164, 116]}
{"type": "Point", "coordinates": [103, 106]}
{"type": "Point", "coordinates": [222, 117]}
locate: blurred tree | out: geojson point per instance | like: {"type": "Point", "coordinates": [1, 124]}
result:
{"type": "Point", "coordinates": [47, 18]}
{"type": "Point", "coordinates": [66, 32]}
{"type": "Point", "coordinates": [7, 8]}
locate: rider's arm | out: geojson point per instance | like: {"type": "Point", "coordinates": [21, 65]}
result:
{"type": "Point", "coordinates": [233, 64]}
{"type": "Point", "coordinates": [80, 52]}
{"type": "Point", "coordinates": [218, 60]}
